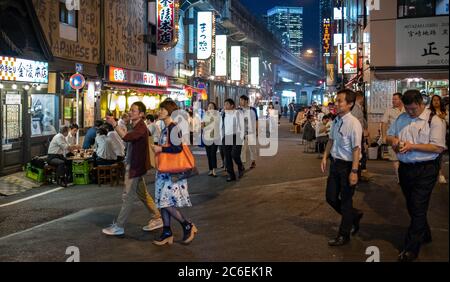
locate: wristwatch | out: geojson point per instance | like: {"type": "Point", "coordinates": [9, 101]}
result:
{"type": "Point", "coordinates": [354, 170]}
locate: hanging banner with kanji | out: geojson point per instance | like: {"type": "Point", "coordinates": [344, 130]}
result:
{"type": "Point", "coordinates": [167, 23]}
{"type": "Point", "coordinates": [350, 58]}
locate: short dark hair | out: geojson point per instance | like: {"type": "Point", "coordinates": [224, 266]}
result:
{"type": "Point", "coordinates": [230, 101]}
{"type": "Point", "coordinates": [412, 96]}
{"type": "Point", "coordinates": [350, 96]}
{"type": "Point", "coordinates": [64, 129]}
{"type": "Point", "coordinates": [142, 108]}
{"type": "Point", "coordinates": [326, 117]}
{"type": "Point", "coordinates": [74, 125]}
{"type": "Point", "coordinates": [244, 97]}
{"type": "Point", "coordinates": [397, 94]}
{"type": "Point", "coordinates": [169, 105]}
{"type": "Point", "coordinates": [214, 104]}
{"type": "Point", "coordinates": [150, 118]}
{"type": "Point", "coordinates": [102, 130]}
{"type": "Point", "coordinates": [108, 127]}
{"type": "Point", "coordinates": [98, 123]}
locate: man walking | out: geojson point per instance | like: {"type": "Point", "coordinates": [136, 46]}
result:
{"type": "Point", "coordinates": [231, 139]}
{"type": "Point", "coordinates": [345, 148]}
{"type": "Point", "coordinates": [250, 116]}
{"type": "Point", "coordinates": [418, 137]}
{"type": "Point", "coordinates": [389, 118]}
{"type": "Point", "coordinates": [137, 162]}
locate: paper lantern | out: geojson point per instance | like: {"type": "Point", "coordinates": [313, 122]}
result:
{"type": "Point", "coordinates": [147, 101]}
{"type": "Point", "coordinates": [121, 102]}
{"type": "Point", "coordinates": [132, 99]}
{"type": "Point", "coordinates": [204, 95]}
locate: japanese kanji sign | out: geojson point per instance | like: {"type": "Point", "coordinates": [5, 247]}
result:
{"type": "Point", "coordinates": [350, 58]}
{"type": "Point", "coordinates": [125, 76]}
{"type": "Point", "coordinates": [204, 35]}
{"type": "Point", "coordinates": [221, 55]}
{"type": "Point", "coordinates": [23, 70]}
{"type": "Point", "coordinates": [167, 18]}
{"type": "Point", "coordinates": [326, 37]}
{"type": "Point", "coordinates": [422, 42]}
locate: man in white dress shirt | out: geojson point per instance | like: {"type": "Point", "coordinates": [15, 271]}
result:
{"type": "Point", "coordinates": [344, 145]}
{"type": "Point", "coordinates": [418, 137]}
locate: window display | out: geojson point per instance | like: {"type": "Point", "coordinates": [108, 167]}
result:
{"type": "Point", "coordinates": [43, 115]}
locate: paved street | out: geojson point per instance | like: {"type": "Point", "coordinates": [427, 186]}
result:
{"type": "Point", "coordinates": [277, 212]}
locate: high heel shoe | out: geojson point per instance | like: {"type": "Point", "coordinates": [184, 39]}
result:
{"type": "Point", "coordinates": [166, 238]}
{"type": "Point", "coordinates": [189, 233]}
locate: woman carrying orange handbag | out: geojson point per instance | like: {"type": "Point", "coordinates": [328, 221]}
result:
{"type": "Point", "coordinates": [172, 193]}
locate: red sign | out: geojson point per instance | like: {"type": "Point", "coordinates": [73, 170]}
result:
{"type": "Point", "coordinates": [167, 20]}
{"type": "Point", "coordinates": [77, 81]}
{"type": "Point", "coordinates": [121, 75]}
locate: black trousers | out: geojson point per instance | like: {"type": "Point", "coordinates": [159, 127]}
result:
{"type": "Point", "coordinates": [233, 153]}
{"type": "Point", "coordinates": [211, 153]}
{"type": "Point", "coordinates": [417, 182]}
{"type": "Point", "coordinates": [339, 194]}
{"type": "Point", "coordinates": [63, 166]}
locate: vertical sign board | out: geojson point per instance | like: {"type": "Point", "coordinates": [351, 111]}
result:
{"type": "Point", "coordinates": [236, 63]}
{"type": "Point", "coordinates": [166, 20]}
{"type": "Point", "coordinates": [254, 78]}
{"type": "Point", "coordinates": [204, 35]}
{"type": "Point", "coordinates": [221, 55]}
{"type": "Point", "coordinates": [350, 58]}
{"type": "Point", "coordinates": [326, 37]}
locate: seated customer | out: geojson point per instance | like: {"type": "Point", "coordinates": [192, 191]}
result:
{"type": "Point", "coordinates": [57, 151]}
{"type": "Point", "coordinates": [89, 139]}
{"type": "Point", "coordinates": [104, 151]}
{"type": "Point", "coordinates": [117, 142]}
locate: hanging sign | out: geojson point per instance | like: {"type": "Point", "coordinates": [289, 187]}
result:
{"type": "Point", "coordinates": [204, 35]}
{"type": "Point", "coordinates": [326, 37]}
{"type": "Point", "coordinates": [167, 23]}
{"type": "Point", "coordinates": [350, 58]}
{"type": "Point", "coordinates": [15, 69]}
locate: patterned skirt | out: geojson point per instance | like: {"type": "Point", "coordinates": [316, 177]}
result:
{"type": "Point", "coordinates": [171, 194]}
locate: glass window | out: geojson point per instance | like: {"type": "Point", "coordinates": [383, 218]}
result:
{"type": "Point", "coordinates": [66, 16]}
{"type": "Point", "coordinates": [441, 7]}
{"type": "Point", "coordinates": [12, 117]}
{"type": "Point", "coordinates": [416, 8]}
{"type": "Point", "coordinates": [43, 115]}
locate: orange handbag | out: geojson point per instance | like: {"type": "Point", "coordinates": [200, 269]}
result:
{"type": "Point", "coordinates": [175, 163]}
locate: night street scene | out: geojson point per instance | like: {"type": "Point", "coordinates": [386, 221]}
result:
{"type": "Point", "coordinates": [246, 132]}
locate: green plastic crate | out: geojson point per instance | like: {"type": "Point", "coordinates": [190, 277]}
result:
{"type": "Point", "coordinates": [81, 178]}
{"type": "Point", "coordinates": [37, 174]}
{"type": "Point", "coordinates": [80, 167]}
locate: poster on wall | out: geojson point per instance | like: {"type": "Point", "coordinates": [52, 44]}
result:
{"type": "Point", "coordinates": [167, 18]}
{"type": "Point", "coordinates": [16, 69]}
{"type": "Point", "coordinates": [381, 95]}
{"type": "Point", "coordinates": [43, 120]}
{"type": "Point", "coordinates": [422, 41]}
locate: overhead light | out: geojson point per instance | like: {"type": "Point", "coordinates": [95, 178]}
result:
{"type": "Point", "coordinates": [14, 86]}
{"type": "Point", "coordinates": [38, 88]}
{"type": "Point", "coordinates": [26, 87]}
{"type": "Point", "coordinates": [1, 86]}
{"type": "Point", "coordinates": [97, 83]}
{"type": "Point", "coordinates": [211, 77]}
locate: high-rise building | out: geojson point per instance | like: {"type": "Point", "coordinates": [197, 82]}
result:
{"type": "Point", "coordinates": [286, 23]}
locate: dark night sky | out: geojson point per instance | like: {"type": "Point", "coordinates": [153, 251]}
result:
{"type": "Point", "coordinates": [310, 16]}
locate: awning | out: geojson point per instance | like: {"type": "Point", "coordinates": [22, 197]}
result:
{"type": "Point", "coordinates": [138, 88]}
{"type": "Point", "coordinates": [388, 73]}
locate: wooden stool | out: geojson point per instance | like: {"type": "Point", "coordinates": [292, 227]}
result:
{"type": "Point", "coordinates": [50, 174]}
{"type": "Point", "coordinates": [309, 145]}
{"type": "Point", "coordinates": [107, 174]}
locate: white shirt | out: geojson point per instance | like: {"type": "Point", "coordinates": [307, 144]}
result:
{"type": "Point", "coordinates": [391, 115]}
{"type": "Point", "coordinates": [418, 131]}
{"type": "Point", "coordinates": [72, 140]}
{"type": "Point", "coordinates": [123, 125]}
{"type": "Point", "coordinates": [320, 126]}
{"type": "Point", "coordinates": [104, 148]}
{"type": "Point", "coordinates": [346, 133]}
{"type": "Point", "coordinates": [117, 143]}
{"type": "Point", "coordinates": [58, 145]}
{"type": "Point", "coordinates": [231, 126]}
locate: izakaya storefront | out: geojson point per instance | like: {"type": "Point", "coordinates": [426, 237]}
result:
{"type": "Point", "coordinates": [29, 113]}
{"type": "Point", "coordinates": [123, 87]}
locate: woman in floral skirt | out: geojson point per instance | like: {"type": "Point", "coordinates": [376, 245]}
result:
{"type": "Point", "coordinates": [171, 191]}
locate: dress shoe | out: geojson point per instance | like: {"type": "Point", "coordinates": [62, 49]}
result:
{"type": "Point", "coordinates": [253, 165]}
{"type": "Point", "coordinates": [230, 179]}
{"type": "Point", "coordinates": [339, 241]}
{"type": "Point", "coordinates": [356, 222]}
{"type": "Point", "coordinates": [406, 256]}
{"type": "Point", "coordinates": [241, 173]}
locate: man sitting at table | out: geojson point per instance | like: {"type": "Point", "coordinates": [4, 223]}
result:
{"type": "Point", "coordinates": [57, 151]}
{"type": "Point", "coordinates": [104, 149]}
{"type": "Point", "coordinates": [117, 142]}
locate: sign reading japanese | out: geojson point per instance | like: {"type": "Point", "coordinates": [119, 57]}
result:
{"type": "Point", "coordinates": [350, 58]}
{"type": "Point", "coordinates": [326, 37]}
{"type": "Point", "coordinates": [167, 18]}
{"type": "Point", "coordinates": [422, 42]}
{"type": "Point", "coordinates": [204, 35]}
{"type": "Point", "coordinates": [221, 55]}
{"type": "Point", "coordinates": [236, 63]}
{"type": "Point", "coordinates": [23, 70]}
{"type": "Point", "coordinates": [121, 75]}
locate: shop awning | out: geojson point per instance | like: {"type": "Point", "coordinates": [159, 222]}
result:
{"type": "Point", "coordinates": [388, 73]}
{"type": "Point", "coordinates": [138, 88]}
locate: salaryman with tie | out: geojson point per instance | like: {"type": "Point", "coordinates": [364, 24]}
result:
{"type": "Point", "coordinates": [344, 151]}
{"type": "Point", "coordinates": [418, 138]}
